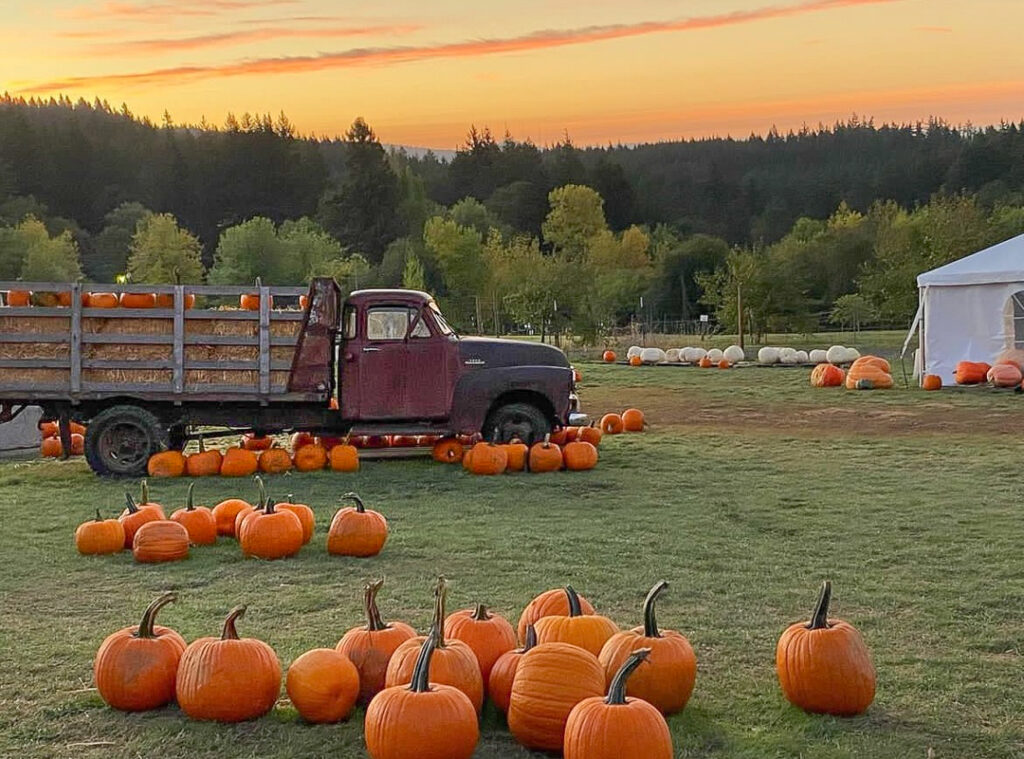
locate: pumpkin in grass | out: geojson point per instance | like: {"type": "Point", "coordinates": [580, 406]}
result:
{"type": "Point", "coordinates": [138, 300]}
{"type": "Point", "coordinates": [49, 429]}
{"type": "Point", "coordinates": [159, 541]}
{"type": "Point", "coordinates": [545, 456]}
{"type": "Point", "coordinates": [269, 533]}
{"type": "Point", "coordinates": [971, 372]}
{"type": "Point", "coordinates": [322, 685]}
{"type": "Point", "coordinates": [580, 456]}
{"type": "Point", "coordinates": [454, 662]}
{"type": "Point", "coordinates": [305, 514]}
{"type": "Point", "coordinates": [99, 536]}
{"type": "Point", "coordinates": [238, 462]}
{"type": "Point", "coordinates": [609, 357]}
{"type": "Point", "coordinates": [503, 673]}
{"type": "Point", "coordinates": [824, 665]}
{"type": "Point", "coordinates": [617, 727]}
{"type": "Point", "coordinates": [588, 631]}
{"type": "Point", "coordinates": [102, 300]}
{"type": "Point", "coordinates": [136, 667]}
{"type": "Point", "coordinates": [489, 635]}
{"type": "Point", "coordinates": [488, 459]}
{"type": "Point", "coordinates": [205, 463]}
{"type": "Point", "coordinates": [705, 363]}
{"type": "Point", "coordinates": [591, 434]}
{"type": "Point", "coordinates": [666, 680]}
{"type": "Point", "coordinates": [550, 680]}
{"type": "Point", "coordinates": [1004, 375]}
{"type": "Point", "coordinates": [357, 530]}
{"type": "Point", "coordinates": [253, 442]}
{"type": "Point", "coordinates": [931, 382]}
{"type": "Point", "coordinates": [633, 420]}
{"type": "Point", "coordinates": [310, 458]}
{"type": "Point", "coordinates": [198, 521]}
{"type": "Point", "coordinates": [516, 452]}
{"type": "Point", "coordinates": [724, 364]}
{"type": "Point", "coordinates": [370, 647]}
{"type": "Point", "coordinates": [467, 459]}
{"type": "Point", "coordinates": [166, 464]}
{"type": "Point", "coordinates": [274, 460]}
{"type": "Point", "coordinates": [225, 512]}
{"type": "Point", "coordinates": [869, 373]}
{"type": "Point", "coordinates": [549, 603]}
{"type": "Point", "coordinates": [827, 375]}
{"type": "Point", "coordinates": [228, 679]}
{"type": "Point", "coordinates": [77, 444]}
{"type": "Point", "coordinates": [51, 448]}
{"type": "Point", "coordinates": [344, 457]}
{"type": "Point", "coordinates": [611, 424]}
{"type": "Point", "coordinates": [447, 451]}
{"type": "Point", "coordinates": [135, 515]}
{"type": "Point", "coordinates": [19, 298]}
{"type": "Point", "coordinates": [635, 361]}
{"type": "Point", "coordinates": [422, 720]}
{"type": "Point", "coordinates": [300, 439]}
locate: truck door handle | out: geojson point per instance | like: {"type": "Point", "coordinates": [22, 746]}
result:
{"type": "Point", "coordinates": [371, 350]}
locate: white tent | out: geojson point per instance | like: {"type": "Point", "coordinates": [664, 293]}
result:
{"type": "Point", "coordinates": [971, 309]}
{"type": "Point", "coordinates": [21, 437]}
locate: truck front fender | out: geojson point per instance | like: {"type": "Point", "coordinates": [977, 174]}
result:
{"type": "Point", "coordinates": [478, 392]}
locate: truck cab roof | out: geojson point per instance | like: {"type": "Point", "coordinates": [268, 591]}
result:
{"type": "Point", "coordinates": [396, 295]}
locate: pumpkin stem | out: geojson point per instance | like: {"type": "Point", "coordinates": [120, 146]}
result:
{"type": "Point", "coordinates": [420, 673]}
{"type": "Point", "coordinates": [819, 620]}
{"type": "Point", "coordinates": [229, 632]}
{"type": "Point", "coordinates": [360, 507]}
{"type": "Point", "coordinates": [617, 689]}
{"type": "Point", "coordinates": [145, 491]}
{"type": "Point", "coordinates": [547, 439]}
{"type": "Point", "coordinates": [437, 624]}
{"type": "Point", "coordinates": [130, 503]}
{"type": "Point", "coordinates": [202, 446]}
{"type": "Point", "coordinates": [269, 507]}
{"type": "Point", "coordinates": [262, 491]}
{"type": "Point", "coordinates": [189, 505]}
{"type": "Point", "coordinates": [149, 616]}
{"type": "Point", "coordinates": [98, 517]}
{"type": "Point", "coordinates": [574, 602]}
{"type": "Point", "coordinates": [480, 614]}
{"type": "Point", "coordinates": [374, 622]}
{"type": "Point", "coordinates": [650, 622]}
{"type": "Point", "coordinates": [531, 638]}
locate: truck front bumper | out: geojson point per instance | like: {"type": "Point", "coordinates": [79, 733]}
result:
{"type": "Point", "coordinates": [576, 417]}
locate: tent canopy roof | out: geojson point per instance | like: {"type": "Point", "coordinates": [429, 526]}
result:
{"type": "Point", "coordinates": [1003, 262]}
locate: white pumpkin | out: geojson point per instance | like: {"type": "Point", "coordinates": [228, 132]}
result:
{"type": "Point", "coordinates": [788, 357]}
{"type": "Point", "coordinates": [634, 350]}
{"type": "Point", "coordinates": [652, 355]}
{"type": "Point", "coordinates": [836, 354]}
{"type": "Point", "coordinates": [768, 356]}
{"type": "Point", "coordinates": [715, 355]}
{"type": "Point", "coordinates": [818, 356]}
{"type": "Point", "coordinates": [852, 354]}
{"type": "Point", "coordinates": [672, 355]}
{"type": "Point", "coordinates": [696, 354]}
{"type": "Point", "coordinates": [802, 357]}
{"type": "Point", "coordinates": [734, 354]}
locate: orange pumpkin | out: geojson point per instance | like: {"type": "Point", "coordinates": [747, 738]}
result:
{"type": "Point", "coordinates": [228, 679]}
{"type": "Point", "coordinates": [77, 444]}
{"type": "Point", "coordinates": [138, 300]}
{"type": "Point", "coordinates": [824, 665]}
{"type": "Point", "coordinates": [588, 631]}
{"type": "Point", "coordinates": [635, 361]}
{"type": "Point", "coordinates": [616, 726]}
{"type": "Point", "coordinates": [198, 521]}
{"type": "Point", "coordinates": [49, 429]}
{"type": "Point", "coordinates": [560, 436]}
{"type": "Point", "coordinates": [166, 464]}
{"type": "Point", "coordinates": [454, 662]}
{"type": "Point", "coordinates": [64, 299]}
{"type": "Point", "coordinates": [370, 647]}
{"type": "Point", "coordinates": [489, 635]}
{"type": "Point", "coordinates": [322, 685]}
{"type": "Point", "coordinates": [344, 457]}
{"type": "Point", "coordinates": [488, 459]}
{"type": "Point", "coordinates": [274, 460]}
{"type": "Point", "coordinates": [971, 372]}
{"type": "Point", "coordinates": [448, 451]}
{"type": "Point", "coordinates": [300, 439]}
{"type": "Point", "coordinates": [166, 300]}
{"type": "Point", "coordinates": [611, 424]}
{"type": "Point", "coordinates": [633, 420]}
{"type": "Point", "coordinates": [136, 667]}
{"type": "Point", "coordinates": [516, 453]}
{"type": "Point", "coordinates": [160, 540]}
{"type": "Point", "coordinates": [102, 300]}
{"type": "Point", "coordinates": [550, 680]}
{"type": "Point", "coordinates": [99, 536]}
{"type": "Point", "coordinates": [666, 680]}
{"type": "Point", "coordinates": [251, 301]}
{"type": "Point", "coordinates": [305, 514]}
{"type": "Point", "coordinates": [705, 363]}
{"type": "Point", "coordinates": [550, 602]}
{"type": "Point", "coordinates": [580, 456]}
{"type": "Point", "coordinates": [609, 357]}
{"type": "Point", "coordinates": [869, 373]}
{"type": "Point", "coordinates": [310, 458]}
{"type": "Point", "coordinates": [19, 298]}
{"type": "Point", "coordinates": [931, 382]}
{"type": "Point", "coordinates": [76, 428]}
{"type": "Point", "coordinates": [238, 462]}
{"type": "Point", "coordinates": [724, 364]}
{"type": "Point", "coordinates": [591, 434]}
{"type": "Point", "coordinates": [225, 513]}
{"type": "Point", "coordinates": [270, 534]}
{"type": "Point", "coordinates": [51, 448]}
{"type": "Point", "coordinates": [503, 673]}
{"type": "Point", "coordinates": [303, 302]}
{"type": "Point", "coordinates": [136, 515]}
{"type": "Point", "coordinates": [827, 375]}
{"type": "Point", "coordinates": [356, 530]}
{"type": "Point", "coordinates": [205, 463]}
{"type": "Point", "coordinates": [545, 456]}
{"type": "Point", "coordinates": [252, 442]}
{"type": "Point", "coordinates": [1004, 375]}
{"type": "Point", "coordinates": [421, 720]}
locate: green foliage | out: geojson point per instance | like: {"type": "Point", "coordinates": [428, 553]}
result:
{"type": "Point", "coordinates": [250, 250]}
{"type": "Point", "coordinates": [46, 259]}
{"type": "Point", "coordinates": [162, 253]}
{"type": "Point", "coordinates": [576, 215]}
{"type": "Point", "coordinates": [852, 310]}
{"type": "Point", "coordinates": [414, 276]}
{"type": "Point", "coordinates": [111, 248]}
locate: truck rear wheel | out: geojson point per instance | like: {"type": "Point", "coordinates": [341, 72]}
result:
{"type": "Point", "coordinates": [120, 440]}
{"type": "Point", "coordinates": [517, 420]}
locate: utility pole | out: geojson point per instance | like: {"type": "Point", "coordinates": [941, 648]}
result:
{"type": "Point", "coordinates": [739, 312]}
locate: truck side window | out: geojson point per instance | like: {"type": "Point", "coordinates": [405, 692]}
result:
{"type": "Point", "coordinates": [349, 323]}
{"type": "Point", "coordinates": [387, 323]}
{"type": "Point", "coordinates": [421, 329]}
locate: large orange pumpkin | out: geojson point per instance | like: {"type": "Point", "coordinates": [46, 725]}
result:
{"type": "Point", "coordinates": [136, 515]}
{"type": "Point", "coordinates": [102, 300]}
{"type": "Point", "coordinates": [370, 647]}
{"type": "Point", "coordinates": [138, 300]}
{"type": "Point", "coordinates": [548, 603]}
{"type": "Point", "coordinates": [251, 301]}
{"type": "Point", "coordinates": [252, 442]}
{"type": "Point", "coordinates": [611, 424]}
{"type": "Point", "coordinates": [550, 680]}
{"type": "Point", "coordinates": [166, 300]}
{"type": "Point", "coordinates": [591, 434]}
{"type": "Point", "coordinates": [166, 464]}
{"type": "Point", "coordinates": [635, 361]}
{"type": "Point", "coordinates": [310, 458]}
{"type": "Point", "coordinates": [51, 448]}
{"type": "Point", "coordinates": [448, 451]}
{"type": "Point", "coordinates": [454, 662]}
{"type": "Point", "coordinates": [270, 534]}
{"type": "Point", "coordinates": [516, 452]}
{"type": "Point", "coordinates": [931, 382]}
{"type": "Point", "coordinates": [19, 298]}
{"type": "Point", "coordinates": [545, 456]}
{"type": "Point", "coordinates": [274, 460]}
{"type": "Point", "coordinates": [226, 512]}
{"type": "Point", "coordinates": [633, 420]}
{"type": "Point", "coordinates": [344, 457]}
{"type": "Point", "coordinates": [421, 720]}
{"type": "Point", "coordinates": [488, 459]}
{"type": "Point", "coordinates": [869, 373]}
{"type": "Point", "coordinates": [666, 680]}
{"type": "Point", "coordinates": [616, 727]}
{"type": "Point", "coordinates": [588, 631]}
{"type": "Point", "coordinates": [159, 541]}
{"type": "Point", "coordinates": [827, 375]}
{"type": "Point", "coordinates": [228, 679]}
{"type": "Point", "coordinates": [303, 512]}
{"type": "Point", "coordinates": [356, 530]}
{"type": "Point", "coordinates": [503, 673]}
{"type": "Point", "coordinates": [205, 463]}
{"type": "Point", "coordinates": [322, 685]}
{"type": "Point", "coordinates": [609, 357]}
{"type": "Point", "coordinates": [136, 667]}
{"type": "Point", "coordinates": [971, 372]}
{"type": "Point", "coordinates": [580, 455]}
{"type": "Point", "coordinates": [239, 462]}
{"type": "Point", "coordinates": [198, 521]}
{"type": "Point", "coordinates": [824, 665]}
{"type": "Point", "coordinates": [99, 536]}
{"type": "Point", "coordinates": [1004, 375]}
{"type": "Point", "coordinates": [489, 635]}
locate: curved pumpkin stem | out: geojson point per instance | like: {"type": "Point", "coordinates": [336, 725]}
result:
{"type": "Point", "coordinates": [574, 602]}
{"type": "Point", "coordinates": [547, 439]}
{"type": "Point", "coordinates": [360, 506]}
{"type": "Point", "coordinates": [374, 622]}
{"type": "Point", "coordinates": [149, 616]}
{"type": "Point", "coordinates": [262, 491]}
{"type": "Point", "coordinates": [650, 622]}
{"type": "Point", "coordinates": [229, 632]}
{"type": "Point", "coordinates": [269, 507]}
{"type": "Point", "coordinates": [819, 620]}
{"type": "Point", "coordinates": [420, 673]}
{"type": "Point", "coordinates": [437, 624]}
{"type": "Point", "coordinates": [480, 614]}
{"type": "Point", "coordinates": [617, 689]}
{"type": "Point", "coordinates": [130, 503]}
{"type": "Point", "coordinates": [531, 638]}
{"type": "Point", "coordinates": [98, 517]}
{"type": "Point", "coordinates": [189, 504]}
{"type": "Point", "coordinates": [144, 491]}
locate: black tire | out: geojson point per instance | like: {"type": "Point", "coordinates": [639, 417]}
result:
{"type": "Point", "coordinates": [120, 440]}
{"type": "Point", "coordinates": [519, 420]}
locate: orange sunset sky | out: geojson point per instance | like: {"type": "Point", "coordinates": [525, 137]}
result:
{"type": "Point", "coordinates": [605, 70]}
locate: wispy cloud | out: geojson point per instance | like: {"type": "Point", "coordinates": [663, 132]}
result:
{"type": "Point", "coordinates": [935, 29]}
{"type": "Point", "coordinates": [164, 8]}
{"type": "Point", "coordinates": [379, 56]}
{"type": "Point", "coordinates": [225, 39]}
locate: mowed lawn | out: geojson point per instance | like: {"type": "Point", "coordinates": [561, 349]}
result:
{"type": "Point", "coordinates": [747, 491]}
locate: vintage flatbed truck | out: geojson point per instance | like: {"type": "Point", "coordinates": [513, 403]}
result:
{"type": "Point", "coordinates": [145, 379]}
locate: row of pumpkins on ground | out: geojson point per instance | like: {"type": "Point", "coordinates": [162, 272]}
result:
{"type": "Point", "coordinates": [578, 685]}
{"type": "Point", "coordinates": [24, 298]}
{"type": "Point", "coordinates": [734, 354]}
{"type": "Point", "coordinates": [266, 530]}
{"type": "Point", "coordinates": [572, 448]}
{"type": "Point", "coordinates": [874, 373]}
{"type": "Point", "coordinates": [1007, 371]}
{"type": "Point", "coordinates": [51, 447]}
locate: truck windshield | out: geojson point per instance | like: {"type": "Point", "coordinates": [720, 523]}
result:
{"type": "Point", "coordinates": [439, 318]}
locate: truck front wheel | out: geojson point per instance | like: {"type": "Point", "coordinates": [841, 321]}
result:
{"type": "Point", "coordinates": [517, 420]}
{"type": "Point", "coordinates": [120, 440]}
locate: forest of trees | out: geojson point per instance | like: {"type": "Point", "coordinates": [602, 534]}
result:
{"type": "Point", "coordinates": [831, 224]}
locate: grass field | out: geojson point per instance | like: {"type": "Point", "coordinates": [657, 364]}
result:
{"type": "Point", "coordinates": [749, 489]}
